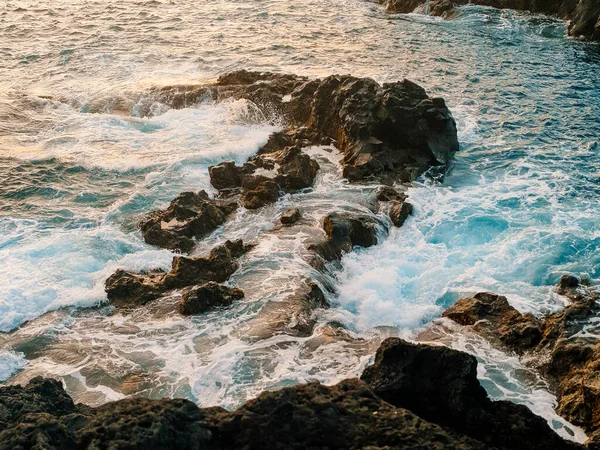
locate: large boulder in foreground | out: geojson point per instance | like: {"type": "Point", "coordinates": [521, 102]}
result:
{"type": "Point", "coordinates": [583, 15]}
{"type": "Point", "coordinates": [553, 343]}
{"type": "Point", "coordinates": [440, 385]}
{"type": "Point", "coordinates": [191, 215]}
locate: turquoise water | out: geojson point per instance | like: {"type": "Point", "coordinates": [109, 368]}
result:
{"type": "Point", "coordinates": [85, 151]}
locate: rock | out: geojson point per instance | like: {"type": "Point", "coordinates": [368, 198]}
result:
{"type": "Point", "coordinates": [346, 230]}
{"type": "Point", "coordinates": [207, 296]}
{"type": "Point", "coordinates": [128, 289]}
{"type": "Point", "coordinates": [259, 191]}
{"type": "Point", "coordinates": [441, 386]}
{"type": "Point", "coordinates": [389, 194]}
{"type": "Point", "coordinates": [492, 316]}
{"type": "Point", "coordinates": [572, 363]}
{"type": "Point", "coordinates": [225, 175]}
{"type": "Point", "coordinates": [583, 15]}
{"type": "Point", "coordinates": [293, 315]}
{"type": "Point", "coordinates": [191, 215]}
{"type": "Point", "coordinates": [290, 216]}
{"type": "Point", "coordinates": [399, 212]}
{"type": "Point", "coordinates": [296, 169]}
{"type": "Point", "coordinates": [133, 289]}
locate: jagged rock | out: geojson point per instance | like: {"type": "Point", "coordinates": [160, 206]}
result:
{"type": "Point", "coordinates": [573, 363]}
{"type": "Point", "coordinates": [296, 169]}
{"type": "Point", "coordinates": [225, 175]}
{"type": "Point", "coordinates": [440, 385]}
{"type": "Point", "coordinates": [346, 230]}
{"type": "Point", "coordinates": [399, 212]}
{"type": "Point", "coordinates": [190, 215]}
{"type": "Point", "coordinates": [290, 216]}
{"type": "Point", "coordinates": [134, 289]}
{"type": "Point", "coordinates": [259, 191]}
{"type": "Point", "coordinates": [389, 194]}
{"type": "Point", "coordinates": [207, 296]}
{"type": "Point", "coordinates": [492, 316]}
{"type": "Point", "coordinates": [131, 289]}
{"type": "Point", "coordinates": [583, 15]}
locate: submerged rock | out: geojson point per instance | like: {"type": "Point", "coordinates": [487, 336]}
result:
{"type": "Point", "coordinates": [190, 215]}
{"type": "Point", "coordinates": [583, 15]}
{"type": "Point", "coordinates": [572, 362]}
{"type": "Point", "coordinates": [202, 298]}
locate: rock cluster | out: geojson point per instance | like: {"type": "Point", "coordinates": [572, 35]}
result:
{"type": "Point", "coordinates": [127, 289]}
{"type": "Point", "coordinates": [450, 411]}
{"type": "Point", "coordinates": [556, 343]}
{"type": "Point", "coordinates": [583, 15]}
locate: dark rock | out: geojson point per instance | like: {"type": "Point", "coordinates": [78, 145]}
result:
{"type": "Point", "coordinates": [399, 212]}
{"type": "Point", "coordinates": [492, 316]}
{"type": "Point", "coordinates": [346, 230]}
{"type": "Point", "coordinates": [259, 191]}
{"type": "Point", "coordinates": [202, 298]}
{"type": "Point", "coordinates": [225, 175]}
{"type": "Point", "coordinates": [296, 169]}
{"type": "Point", "coordinates": [127, 289]}
{"type": "Point", "coordinates": [583, 15]}
{"type": "Point", "coordinates": [191, 215]}
{"type": "Point", "coordinates": [290, 216]}
{"type": "Point", "coordinates": [441, 386]}
{"type": "Point", "coordinates": [389, 194]}
{"type": "Point", "coordinates": [134, 289]}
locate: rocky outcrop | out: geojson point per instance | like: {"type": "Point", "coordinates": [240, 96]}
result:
{"type": "Point", "coordinates": [583, 15]}
{"type": "Point", "coordinates": [554, 343]}
{"type": "Point", "coordinates": [207, 296]}
{"type": "Point", "coordinates": [191, 215]}
{"type": "Point", "coordinates": [290, 216]}
{"type": "Point", "coordinates": [438, 383]}
{"type": "Point", "coordinates": [127, 289]}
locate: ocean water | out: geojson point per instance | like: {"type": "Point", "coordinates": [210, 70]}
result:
{"type": "Point", "coordinates": [86, 151]}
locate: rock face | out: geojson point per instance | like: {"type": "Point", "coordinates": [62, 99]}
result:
{"type": "Point", "coordinates": [191, 215]}
{"type": "Point", "coordinates": [128, 289]}
{"type": "Point", "coordinates": [202, 298]}
{"type": "Point", "coordinates": [349, 415]}
{"type": "Point", "coordinates": [440, 385]}
{"type": "Point", "coordinates": [572, 362]}
{"type": "Point", "coordinates": [399, 212]}
{"type": "Point", "coordinates": [583, 15]}
{"type": "Point", "coordinates": [347, 230]}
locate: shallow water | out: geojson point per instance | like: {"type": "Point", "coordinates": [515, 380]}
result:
{"type": "Point", "coordinates": [86, 151]}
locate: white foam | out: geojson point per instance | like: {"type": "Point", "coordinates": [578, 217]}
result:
{"type": "Point", "coordinates": [10, 362]}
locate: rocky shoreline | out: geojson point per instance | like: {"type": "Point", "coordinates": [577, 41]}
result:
{"type": "Point", "coordinates": [413, 396]}
{"type": "Point", "coordinates": [583, 15]}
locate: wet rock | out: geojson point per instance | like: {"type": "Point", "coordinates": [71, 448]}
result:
{"type": "Point", "coordinates": [202, 298]}
{"type": "Point", "coordinates": [389, 194]}
{"type": "Point", "coordinates": [225, 175]}
{"type": "Point", "coordinates": [492, 316]}
{"type": "Point", "coordinates": [133, 289]}
{"type": "Point", "coordinates": [259, 191]}
{"type": "Point", "coordinates": [441, 386]}
{"type": "Point", "coordinates": [290, 216]}
{"type": "Point", "coordinates": [296, 169]}
{"type": "Point", "coordinates": [191, 215]}
{"type": "Point", "coordinates": [293, 315]}
{"type": "Point", "coordinates": [583, 15]}
{"type": "Point", "coordinates": [346, 230]}
{"type": "Point", "coordinates": [399, 212]}
{"type": "Point", "coordinates": [128, 289]}
{"type": "Point", "coordinates": [571, 362]}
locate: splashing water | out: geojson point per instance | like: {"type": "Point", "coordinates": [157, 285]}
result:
{"type": "Point", "coordinates": [85, 152]}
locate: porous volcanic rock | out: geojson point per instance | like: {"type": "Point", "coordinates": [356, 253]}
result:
{"type": "Point", "coordinates": [571, 361]}
{"type": "Point", "coordinates": [190, 215]}
{"type": "Point", "coordinates": [441, 386]}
